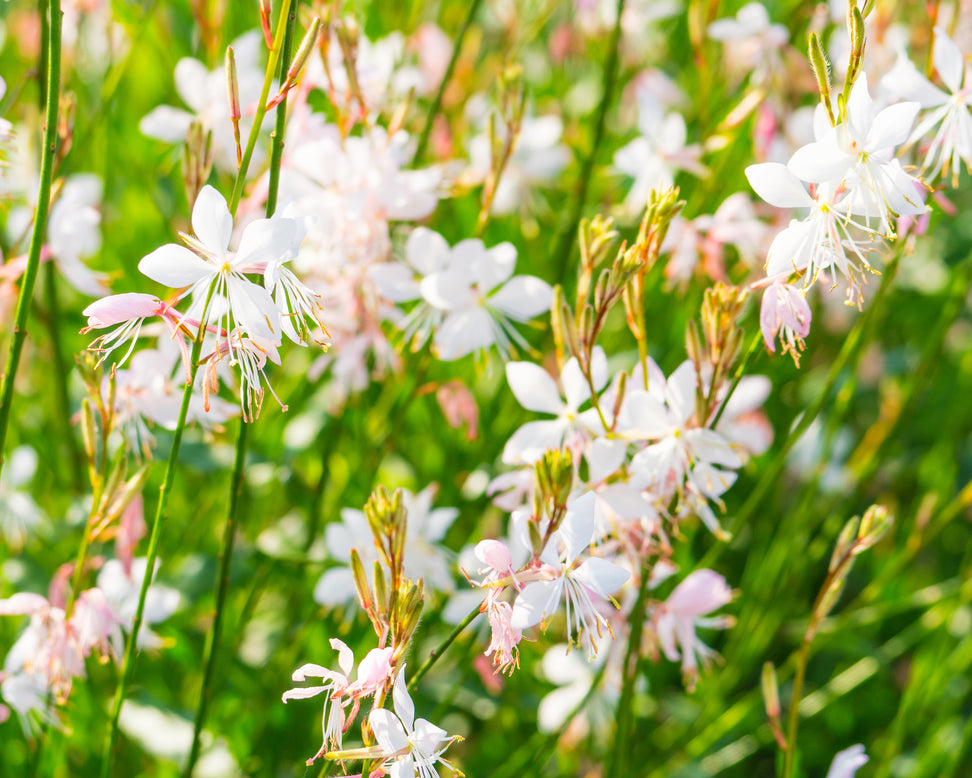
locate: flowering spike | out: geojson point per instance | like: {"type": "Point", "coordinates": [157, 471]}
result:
{"type": "Point", "coordinates": [821, 70]}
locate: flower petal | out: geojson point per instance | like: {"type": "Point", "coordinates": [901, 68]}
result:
{"type": "Point", "coordinates": [211, 220]}
{"type": "Point", "coordinates": [175, 266]}
{"type": "Point", "coordinates": [533, 387]}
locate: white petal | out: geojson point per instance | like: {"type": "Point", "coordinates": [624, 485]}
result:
{"type": "Point", "coordinates": [778, 186]}
{"type": "Point", "coordinates": [820, 161]}
{"type": "Point", "coordinates": [601, 576]}
{"type": "Point", "coordinates": [448, 291]}
{"type": "Point", "coordinates": [948, 60]}
{"type": "Point", "coordinates": [253, 308]}
{"type": "Point", "coordinates": [388, 730]}
{"type": "Point", "coordinates": [211, 220]}
{"type": "Point", "coordinates": [166, 123]}
{"type": "Point", "coordinates": [523, 297]}
{"type": "Point", "coordinates": [533, 387]}
{"type": "Point", "coordinates": [427, 251]}
{"type": "Point", "coordinates": [530, 606]}
{"type": "Point", "coordinates": [860, 109]}
{"type": "Point", "coordinates": [404, 706]}
{"type": "Point", "coordinates": [335, 587]}
{"type": "Point", "coordinates": [534, 438]}
{"type": "Point", "coordinates": [577, 529]}
{"type": "Point", "coordinates": [175, 266]}
{"type": "Point", "coordinates": [892, 126]}
{"type": "Point", "coordinates": [465, 332]}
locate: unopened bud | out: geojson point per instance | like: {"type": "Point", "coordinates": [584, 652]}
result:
{"type": "Point", "coordinates": [361, 581]}
{"type": "Point", "coordinates": [89, 429]}
{"type": "Point", "coordinates": [265, 22]}
{"type": "Point", "coordinates": [844, 542]}
{"type": "Point", "coordinates": [874, 526]}
{"type": "Point", "coordinates": [771, 691]}
{"type": "Point", "coordinates": [619, 396]}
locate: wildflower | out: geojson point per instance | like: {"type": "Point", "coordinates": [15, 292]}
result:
{"type": "Point", "coordinates": [785, 310]}
{"type": "Point", "coordinates": [847, 762]}
{"type": "Point", "coordinates": [558, 578]}
{"type": "Point", "coordinates": [478, 298]}
{"type": "Point", "coordinates": [675, 620]}
{"type": "Point", "coordinates": [415, 745]}
{"type": "Point", "coordinates": [373, 673]}
{"type": "Point", "coordinates": [536, 391]}
{"type": "Point", "coordinates": [20, 516]}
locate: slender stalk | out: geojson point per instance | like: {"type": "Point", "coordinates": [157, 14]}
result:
{"type": "Point", "coordinates": [53, 87]}
{"type": "Point", "coordinates": [236, 487]}
{"type": "Point", "coordinates": [737, 376]}
{"type": "Point", "coordinates": [423, 140]}
{"type": "Point", "coordinates": [63, 398]}
{"type": "Point", "coordinates": [261, 109]}
{"type": "Point", "coordinates": [617, 757]}
{"type": "Point", "coordinates": [160, 516]}
{"type": "Point", "coordinates": [608, 82]}
{"type": "Point", "coordinates": [222, 587]}
{"type": "Point", "coordinates": [793, 718]}
{"type": "Point", "coordinates": [437, 653]}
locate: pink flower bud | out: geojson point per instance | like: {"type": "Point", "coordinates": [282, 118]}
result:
{"type": "Point", "coordinates": [495, 554]}
{"type": "Point", "coordinates": [375, 667]}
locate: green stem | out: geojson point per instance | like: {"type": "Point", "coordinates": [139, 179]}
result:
{"type": "Point", "coordinates": [222, 587]}
{"type": "Point", "coordinates": [737, 376]}
{"type": "Point", "coordinates": [423, 140]}
{"type": "Point", "coordinates": [793, 718]}
{"type": "Point", "coordinates": [437, 653]}
{"type": "Point", "coordinates": [619, 753]}
{"type": "Point", "coordinates": [160, 516]}
{"type": "Point", "coordinates": [40, 220]}
{"type": "Point", "coordinates": [609, 80]}
{"type": "Point", "coordinates": [261, 110]}
{"type": "Point", "coordinates": [63, 397]}
{"type": "Point", "coordinates": [236, 487]}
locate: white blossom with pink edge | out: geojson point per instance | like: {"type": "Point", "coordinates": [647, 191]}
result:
{"type": "Point", "coordinates": [374, 673]}
{"type": "Point", "coordinates": [785, 311]}
{"type": "Point", "coordinates": [583, 586]}
{"type": "Point", "coordinates": [676, 620]}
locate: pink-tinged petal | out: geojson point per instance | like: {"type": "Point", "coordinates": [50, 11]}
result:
{"type": "Point", "coordinates": [495, 554]}
{"type": "Point", "coordinates": [117, 308]}
{"type": "Point", "coordinates": [345, 656]}
{"type": "Point", "coordinates": [702, 592]}
{"type": "Point", "coordinates": [166, 123]}
{"type": "Point", "coordinates": [523, 297]}
{"type": "Point", "coordinates": [175, 266]}
{"type": "Point", "coordinates": [388, 730]}
{"type": "Point", "coordinates": [948, 59]}
{"type": "Point", "coordinates": [821, 161]}
{"type": "Point", "coordinates": [778, 186]}
{"type": "Point", "coordinates": [23, 603]}
{"type": "Point", "coordinates": [303, 693]}
{"type": "Point", "coordinates": [404, 707]}
{"type": "Point", "coordinates": [786, 253]}
{"type": "Point", "coordinates": [312, 670]}
{"type": "Point", "coordinates": [533, 387]}
{"type": "Point", "coordinates": [601, 576]}
{"type": "Point", "coordinates": [892, 126]}
{"type": "Point", "coordinates": [211, 220]}
{"type": "Point", "coordinates": [537, 601]}
{"type": "Point", "coordinates": [375, 667]}
{"type": "Point", "coordinates": [534, 438]}
{"type": "Point", "coordinates": [665, 629]}
{"type": "Point", "coordinates": [427, 251]}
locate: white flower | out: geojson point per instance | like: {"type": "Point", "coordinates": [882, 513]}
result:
{"type": "Point", "coordinates": [952, 141]}
{"type": "Point", "coordinates": [122, 591]}
{"type": "Point", "coordinates": [859, 152]}
{"type": "Point", "coordinates": [539, 600]}
{"type": "Point", "coordinates": [20, 516]}
{"type": "Point", "coordinates": [415, 745]}
{"type": "Point", "coordinates": [847, 762]}
{"type": "Point", "coordinates": [536, 391]}
{"type": "Point", "coordinates": [479, 298]}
